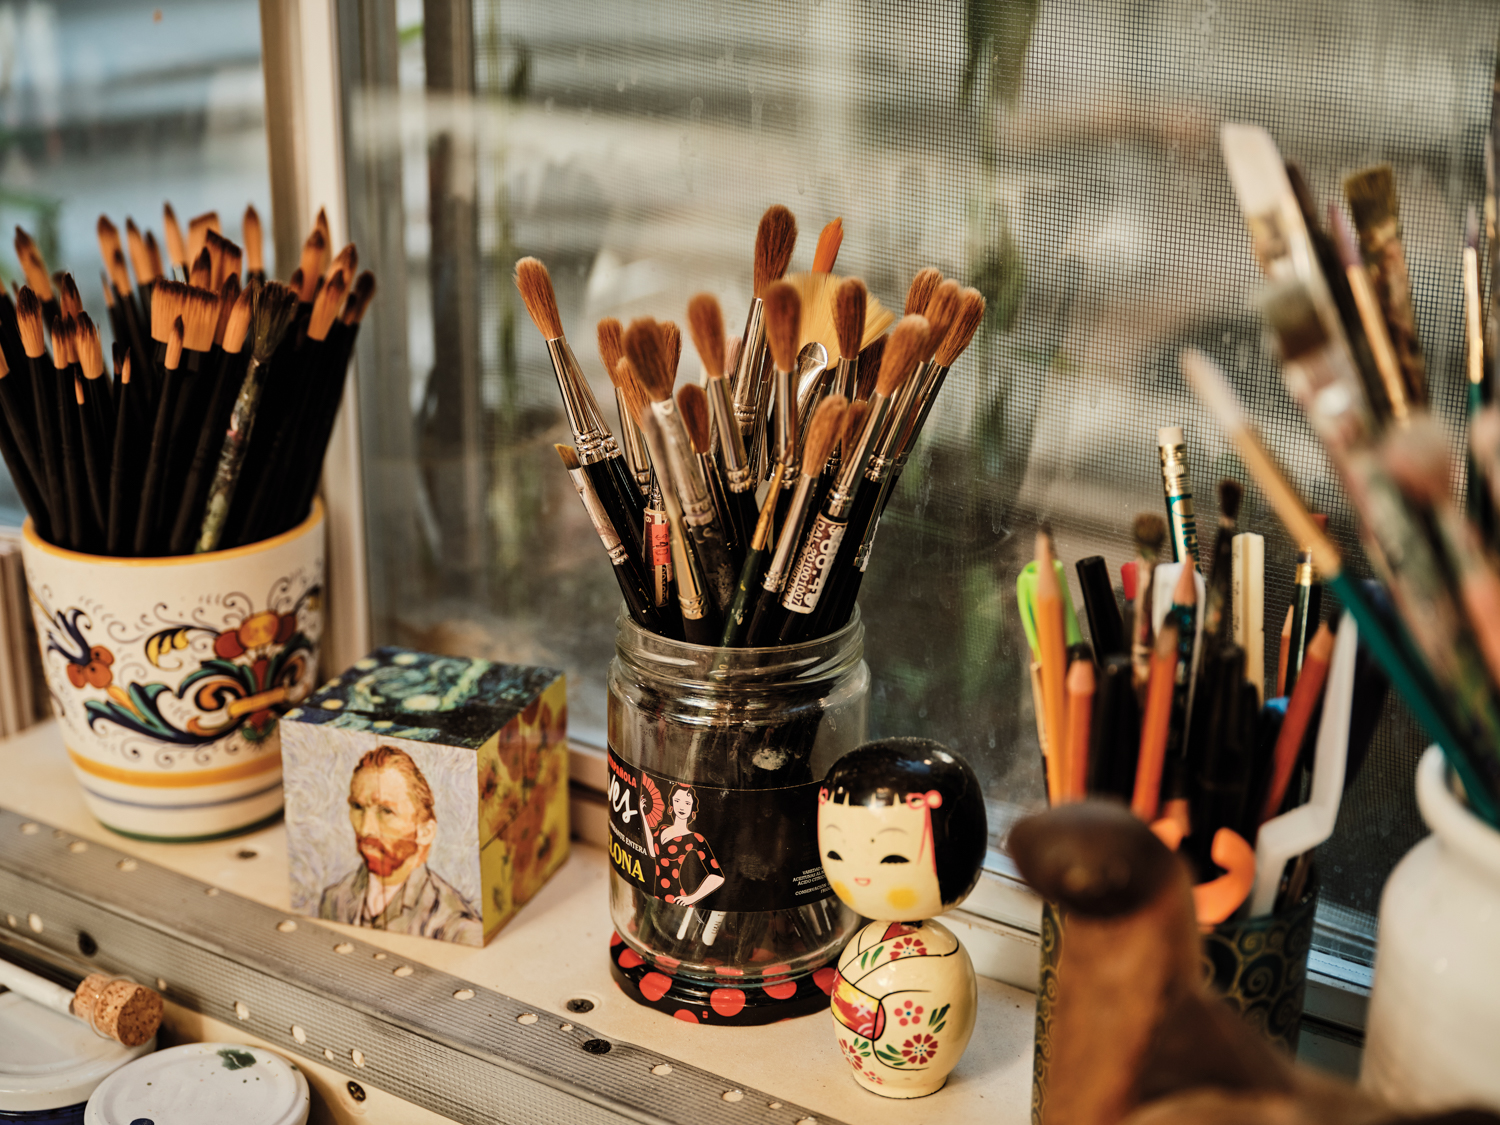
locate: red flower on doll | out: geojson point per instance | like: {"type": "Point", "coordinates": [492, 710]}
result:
{"type": "Point", "coordinates": [908, 947]}
{"type": "Point", "coordinates": [909, 1013]}
{"type": "Point", "coordinates": [95, 672]}
{"type": "Point", "coordinates": [919, 1049]}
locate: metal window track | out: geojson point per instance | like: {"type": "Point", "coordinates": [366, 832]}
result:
{"type": "Point", "coordinates": [469, 1059]}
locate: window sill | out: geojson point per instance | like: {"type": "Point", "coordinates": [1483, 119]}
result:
{"type": "Point", "coordinates": [553, 952]}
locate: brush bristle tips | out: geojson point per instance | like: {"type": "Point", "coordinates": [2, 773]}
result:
{"type": "Point", "coordinates": [535, 284]}
{"type": "Point", "coordinates": [903, 351]}
{"type": "Point", "coordinates": [706, 323]}
{"type": "Point", "coordinates": [824, 429]}
{"type": "Point", "coordinates": [783, 323]}
{"type": "Point", "coordinates": [775, 239]}
{"type": "Point", "coordinates": [569, 456]}
{"type": "Point", "coordinates": [850, 300]}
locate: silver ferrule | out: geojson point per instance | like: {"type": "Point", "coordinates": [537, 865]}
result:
{"type": "Point", "coordinates": [747, 371]}
{"type": "Point", "coordinates": [852, 467]}
{"type": "Point", "coordinates": [591, 437]}
{"type": "Point", "coordinates": [791, 532]}
{"type": "Point", "coordinates": [926, 396]}
{"type": "Point", "coordinates": [633, 445]}
{"type": "Point", "coordinates": [786, 420]}
{"type": "Point", "coordinates": [687, 478]}
{"type": "Point", "coordinates": [731, 441]}
{"type": "Point", "coordinates": [848, 376]}
{"type": "Point", "coordinates": [618, 556]}
{"type": "Point", "coordinates": [685, 568]}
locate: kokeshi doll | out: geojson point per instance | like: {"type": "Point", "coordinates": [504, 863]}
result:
{"type": "Point", "coordinates": [902, 837]}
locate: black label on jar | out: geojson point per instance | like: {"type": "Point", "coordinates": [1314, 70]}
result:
{"type": "Point", "coordinates": [723, 849]}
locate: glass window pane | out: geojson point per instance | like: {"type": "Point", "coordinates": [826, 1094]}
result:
{"type": "Point", "coordinates": [113, 108]}
{"type": "Point", "coordinates": [1062, 157]}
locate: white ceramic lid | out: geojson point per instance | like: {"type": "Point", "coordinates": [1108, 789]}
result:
{"type": "Point", "coordinates": [203, 1082]}
{"type": "Point", "coordinates": [49, 1060]}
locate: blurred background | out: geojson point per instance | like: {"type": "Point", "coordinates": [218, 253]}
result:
{"type": "Point", "coordinates": [1060, 155]}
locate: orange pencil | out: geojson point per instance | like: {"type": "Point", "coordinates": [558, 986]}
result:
{"type": "Point", "coordinates": [1052, 648]}
{"type": "Point", "coordinates": [1286, 653]}
{"type": "Point", "coordinates": [1299, 711]}
{"type": "Point", "coordinates": [1080, 711]}
{"type": "Point", "coordinates": [1154, 724]}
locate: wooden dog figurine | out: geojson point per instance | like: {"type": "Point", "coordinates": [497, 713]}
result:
{"type": "Point", "coordinates": [902, 836]}
{"type": "Point", "coordinates": [1136, 1036]}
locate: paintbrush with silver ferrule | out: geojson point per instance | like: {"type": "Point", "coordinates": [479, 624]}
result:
{"type": "Point", "coordinates": [1376, 208]}
{"type": "Point", "coordinates": [692, 405]}
{"type": "Point", "coordinates": [961, 332]}
{"type": "Point", "coordinates": [611, 350]}
{"type": "Point", "coordinates": [769, 617]}
{"type": "Point", "coordinates": [775, 239]}
{"type": "Point", "coordinates": [648, 350]}
{"type": "Point", "coordinates": [597, 450]}
{"type": "Point", "coordinates": [706, 324]}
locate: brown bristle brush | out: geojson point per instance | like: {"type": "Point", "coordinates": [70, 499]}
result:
{"type": "Point", "coordinates": [706, 324]}
{"type": "Point", "coordinates": [611, 351]}
{"type": "Point", "coordinates": [775, 238]}
{"type": "Point", "coordinates": [783, 305]}
{"type": "Point", "coordinates": [592, 439]}
{"type": "Point", "coordinates": [692, 404]}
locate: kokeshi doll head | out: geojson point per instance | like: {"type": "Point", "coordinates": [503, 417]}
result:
{"type": "Point", "coordinates": [901, 829]}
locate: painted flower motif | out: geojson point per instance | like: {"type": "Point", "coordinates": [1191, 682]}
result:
{"type": "Point", "coordinates": [919, 1049]}
{"type": "Point", "coordinates": [909, 1013]}
{"type": "Point", "coordinates": [854, 1057]}
{"type": "Point", "coordinates": [256, 631]}
{"type": "Point", "coordinates": [95, 671]}
{"type": "Point", "coordinates": [871, 1076]}
{"type": "Point", "coordinates": [908, 947]}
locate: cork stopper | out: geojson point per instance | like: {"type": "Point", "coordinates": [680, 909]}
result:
{"type": "Point", "coordinates": [117, 1008]}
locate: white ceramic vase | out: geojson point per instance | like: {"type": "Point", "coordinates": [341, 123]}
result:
{"type": "Point", "coordinates": [167, 676]}
{"type": "Point", "coordinates": [1432, 1040]}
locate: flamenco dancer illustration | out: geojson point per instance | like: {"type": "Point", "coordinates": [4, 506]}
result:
{"type": "Point", "coordinates": [686, 870]}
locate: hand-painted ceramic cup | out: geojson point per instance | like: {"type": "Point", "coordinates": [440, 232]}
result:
{"type": "Point", "coordinates": [168, 675]}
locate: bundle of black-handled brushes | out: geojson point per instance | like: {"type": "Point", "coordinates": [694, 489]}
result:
{"type": "Point", "coordinates": [225, 389]}
{"type": "Point", "coordinates": [742, 511]}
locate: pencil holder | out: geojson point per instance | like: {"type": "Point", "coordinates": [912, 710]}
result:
{"type": "Point", "coordinates": [721, 910]}
{"type": "Point", "coordinates": [168, 676]}
{"type": "Point", "coordinates": [1258, 965]}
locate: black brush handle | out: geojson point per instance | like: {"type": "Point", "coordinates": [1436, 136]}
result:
{"type": "Point", "coordinates": [156, 462]}
{"type": "Point", "coordinates": [1106, 626]}
{"type": "Point", "coordinates": [44, 403]}
{"type": "Point", "coordinates": [700, 630]}
{"type": "Point", "coordinates": [95, 461]}
{"type": "Point", "coordinates": [626, 519]}
{"type": "Point", "coordinates": [124, 460]}
{"type": "Point", "coordinates": [21, 472]}
{"type": "Point", "coordinates": [632, 501]}
{"type": "Point", "coordinates": [75, 483]}
{"type": "Point", "coordinates": [766, 619]}
{"type": "Point", "coordinates": [719, 573]}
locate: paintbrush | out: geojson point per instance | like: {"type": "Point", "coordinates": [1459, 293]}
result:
{"type": "Point", "coordinates": [692, 405]}
{"type": "Point", "coordinates": [1307, 608]}
{"type": "Point", "coordinates": [176, 245]}
{"type": "Point", "coordinates": [966, 321]}
{"type": "Point", "coordinates": [656, 530]}
{"type": "Point", "coordinates": [769, 616]}
{"type": "Point", "coordinates": [627, 569]}
{"type": "Point", "coordinates": [250, 235]}
{"type": "Point", "coordinates": [1376, 208]}
{"type": "Point", "coordinates": [1114, 729]}
{"type": "Point", "coordinates": [611, 349]}
{"type": "Point", "coordinates": [1475, 762]}
{"type": "Point", "coordinates": [1218, 622]}
{"type": "Point", "coordinates": [775, 238]}
{"type": "Point", "coordinates": [597, 451]}
{"type": "Point", "coordinates": [19, 451]}
{"type": "Point", "coordinates": [651, 360]}
{"type": "Point", "coordinates": [91, 391]}
{"type": "Point", "coordinates": [37, 275]}
{"type": "Point", "coordinates": [74, 475]}
{"type": "Point", "coordinates": [706, 324]}
{"type": "Point", "coordinates": [1382, 352]}
{"type": "Point", "coordinates": [783, 317]}
{"type": "Point", "coordinates": [273, 307]}
{"type": "Point", "coordinates": [44, 403]}
{"type": "Point", "coordinates": [156, 458]}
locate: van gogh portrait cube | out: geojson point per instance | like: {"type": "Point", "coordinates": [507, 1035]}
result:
{"type": "Point", "coordinates": [426, 794]}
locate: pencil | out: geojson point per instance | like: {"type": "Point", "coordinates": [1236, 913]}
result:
{"type": "Point", "coordinates": [1155, 722]}
{"type": "Point", "coordinates": [1080, 709]}
{"type": "Point", "coordinates": [1052, 646]}
{"type": "Point", "coordinates": [1299, 713]}
{"type": "Point", "coordinates": [1286, 651]}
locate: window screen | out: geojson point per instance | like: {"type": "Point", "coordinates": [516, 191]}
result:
{"type": "Point", "coordinates": [1062, 156]}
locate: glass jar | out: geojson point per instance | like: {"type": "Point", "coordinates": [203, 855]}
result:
{"type": "Point", "coordinates": [721, 910]}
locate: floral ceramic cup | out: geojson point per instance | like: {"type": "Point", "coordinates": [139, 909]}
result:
{"type": "Point", "coordinates": [168, 676]}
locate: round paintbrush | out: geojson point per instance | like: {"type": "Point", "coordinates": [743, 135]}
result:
{"type": "Point", "coordinates": [775, 238]}
{"type": "Point", "coordinates": [692, 404]}
{"type": "Point", "coordinates": [251, 236]}
{"type": "Point", "coordinates": [706, 323]}
{"type": "Point", "coordinates": [849, 300]}
{"type": "Point", "coordinates": [44, 405]}
{"type": "Point", "coordinates": [1217, 622]}
{"type": "Point", "coordinates": [20, 452]}
{"type": "Point", "coordinates": [627, 569]}
{"type": "Point", "coordinates": [1149, 532]}
{"type": "Point", "coordinates": [74, 476]}
{"type": "Point", "coordinates": [610, 335]}
{"type": "Point", "coordinates": [591, 437]}
{"type": "Point", "coordinates": [961, 331]}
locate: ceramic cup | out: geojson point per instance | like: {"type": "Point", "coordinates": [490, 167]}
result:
{"type": "Point", "coordinates": [168, 675]}
{"type": "Point", "coordinates": [1433, 1026]}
